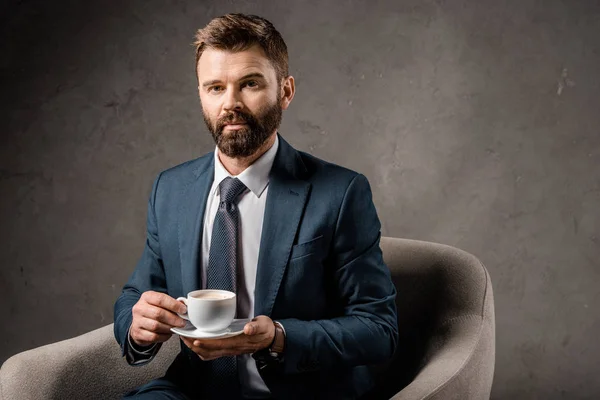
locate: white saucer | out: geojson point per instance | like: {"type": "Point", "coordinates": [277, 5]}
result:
{"type": "Point", "coordinates": [190, 331]}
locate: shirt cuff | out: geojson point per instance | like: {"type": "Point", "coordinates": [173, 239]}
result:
{"type": "Point", "coordinates": [142, 350]}
{"type": "Point", "coordinates": [282, 327]}
{"type": "Point", "coordinates": [137, 355]}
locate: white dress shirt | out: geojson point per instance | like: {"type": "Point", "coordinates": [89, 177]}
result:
{"type": "Point", "coordinates": [251, 206]}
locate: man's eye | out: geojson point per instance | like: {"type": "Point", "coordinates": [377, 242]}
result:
{"type": "Point", "coordinates": [215, 89]}
{"type": "Point", "coordinates": [252, 83]}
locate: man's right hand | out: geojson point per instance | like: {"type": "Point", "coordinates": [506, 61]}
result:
{"type": "Point", "coordinates": [154, 315]}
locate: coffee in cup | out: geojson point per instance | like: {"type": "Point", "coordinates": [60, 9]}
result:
{"type": "Point", "coordinates": [209, 309]}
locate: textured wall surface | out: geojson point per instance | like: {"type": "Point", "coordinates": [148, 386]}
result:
{"type": "Point", "coordinates": [477, 123]}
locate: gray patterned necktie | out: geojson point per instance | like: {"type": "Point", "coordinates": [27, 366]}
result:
{"type": "Point", "coordinates": [221, 273]}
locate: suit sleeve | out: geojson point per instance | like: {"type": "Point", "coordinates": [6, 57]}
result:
{"type": "Point", "coordinates": [148, 275]}
{"type": "Point", "coordinates": [367, 332]}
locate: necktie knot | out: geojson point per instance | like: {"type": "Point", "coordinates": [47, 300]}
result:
{"type": "Point", "coordinates": [230, 189]}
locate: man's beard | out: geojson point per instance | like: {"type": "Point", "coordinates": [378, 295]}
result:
{"type": "Point", "coordinates": [245, 141]}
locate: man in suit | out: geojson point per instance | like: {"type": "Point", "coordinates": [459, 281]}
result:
{"type": "Point", "coordinates": [301, 246]}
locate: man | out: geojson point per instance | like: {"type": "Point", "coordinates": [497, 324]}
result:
{"type": "Point", "coordinates": [303, 247]}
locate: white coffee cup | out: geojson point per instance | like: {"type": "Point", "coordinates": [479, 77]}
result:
{"type": "Point", "coordinates": [209, 309]}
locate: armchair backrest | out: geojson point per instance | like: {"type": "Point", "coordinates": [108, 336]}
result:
{"type": "Point", "coordinates": [439, 288]}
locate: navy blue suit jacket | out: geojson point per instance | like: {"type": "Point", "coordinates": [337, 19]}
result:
{"type": "Point", "coordinates": [320, 270]}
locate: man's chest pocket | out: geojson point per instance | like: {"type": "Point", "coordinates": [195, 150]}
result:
{"type": "Point", "coordinates": [305, 249]}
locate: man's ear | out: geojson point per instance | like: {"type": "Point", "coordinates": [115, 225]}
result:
{"type": "Point", "coordinates": [288, 88]}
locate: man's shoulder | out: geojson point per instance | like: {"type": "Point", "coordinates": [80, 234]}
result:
{"type": "Point", "coordinates": [319, 169]}
{"type": "Point", "coordinates": [188, 169]}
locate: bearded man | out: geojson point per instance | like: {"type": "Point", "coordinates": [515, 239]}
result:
{"type": "Point", "coordinates": [296, 238]}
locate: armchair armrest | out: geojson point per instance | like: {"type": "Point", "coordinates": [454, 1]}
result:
{"type": "Point", "coordinates": [88, 366]}
{"type": "Point", "coordinates": [458, 366]}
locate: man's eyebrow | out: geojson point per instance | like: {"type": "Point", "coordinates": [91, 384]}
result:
{"type": "Point", "coordinates": [247, 76]}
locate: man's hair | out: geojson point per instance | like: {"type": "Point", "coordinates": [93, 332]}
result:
{"type": "Point", "coordinates": [238, 32]}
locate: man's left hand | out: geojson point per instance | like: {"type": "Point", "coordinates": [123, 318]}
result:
{"type": "Point", "coordinates": [258, 334]}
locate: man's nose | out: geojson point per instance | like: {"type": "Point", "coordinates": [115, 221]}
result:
{"type": "Point", "coordinates": [232, 100]}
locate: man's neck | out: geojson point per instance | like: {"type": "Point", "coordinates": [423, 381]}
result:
{"type": "Point", "coordinates": [237, 165]}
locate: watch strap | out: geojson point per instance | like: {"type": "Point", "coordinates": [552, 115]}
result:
{"type": "Point", "coordinates": [279, 341]}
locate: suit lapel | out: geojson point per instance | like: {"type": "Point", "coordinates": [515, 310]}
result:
{"type": "Point", "coordinates": [191, 223]}
{"type": "Point", "coordinates": [287, 196]}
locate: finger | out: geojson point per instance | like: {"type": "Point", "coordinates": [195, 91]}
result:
{"type": "Point", "coordinates": [251, 328]}
{"type": "Point", "coordinates": [161, 315]}
{"type": "Point", "coordinates": [188, 342]}
{"type": "Point", "coordinates": [146, 338]}
{"type": "Point", "coordinates": [223, 353]}
{"type": "Point", "coordinates": [207, 344]}
{"type": "Point", "coordinates": [165, 301]}
{"type": "Point", "coordinates": [138, 339]}
{"type": "Point", "coordinates": [226, 347]}
{"type": "Point", "coordinates": [153, 325]}
{"type": "Point", "coordinates": [203, 353]}
{"type": "Point", "coordinates": [259, 325]}
{"type": "Point", "coordinates": [218, 344]}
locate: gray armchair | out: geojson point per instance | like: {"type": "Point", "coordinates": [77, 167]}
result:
{"type": "Point", "coordinates": [446, 349]}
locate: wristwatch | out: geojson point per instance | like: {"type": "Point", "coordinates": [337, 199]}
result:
{"type": "Point", "coordinates": [276, 348]}
{"type": "Point", "coordinates": [274, 353]}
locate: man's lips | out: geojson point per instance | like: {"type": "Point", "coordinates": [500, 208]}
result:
{"type": "Point", "coordinates": [235, 124]}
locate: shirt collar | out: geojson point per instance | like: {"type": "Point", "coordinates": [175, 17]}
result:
{"type": "Point", "coordinates": [256, 176]}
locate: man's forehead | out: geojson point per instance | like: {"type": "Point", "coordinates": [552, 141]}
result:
{"type": "Point", "coordinates": [215, 62]}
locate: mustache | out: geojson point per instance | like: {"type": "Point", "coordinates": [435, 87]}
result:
{"type": "Point", "coordinates": [234, 116]}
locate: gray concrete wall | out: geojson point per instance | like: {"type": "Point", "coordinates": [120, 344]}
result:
{"type": "Point", "coordinates": [476, 122]}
